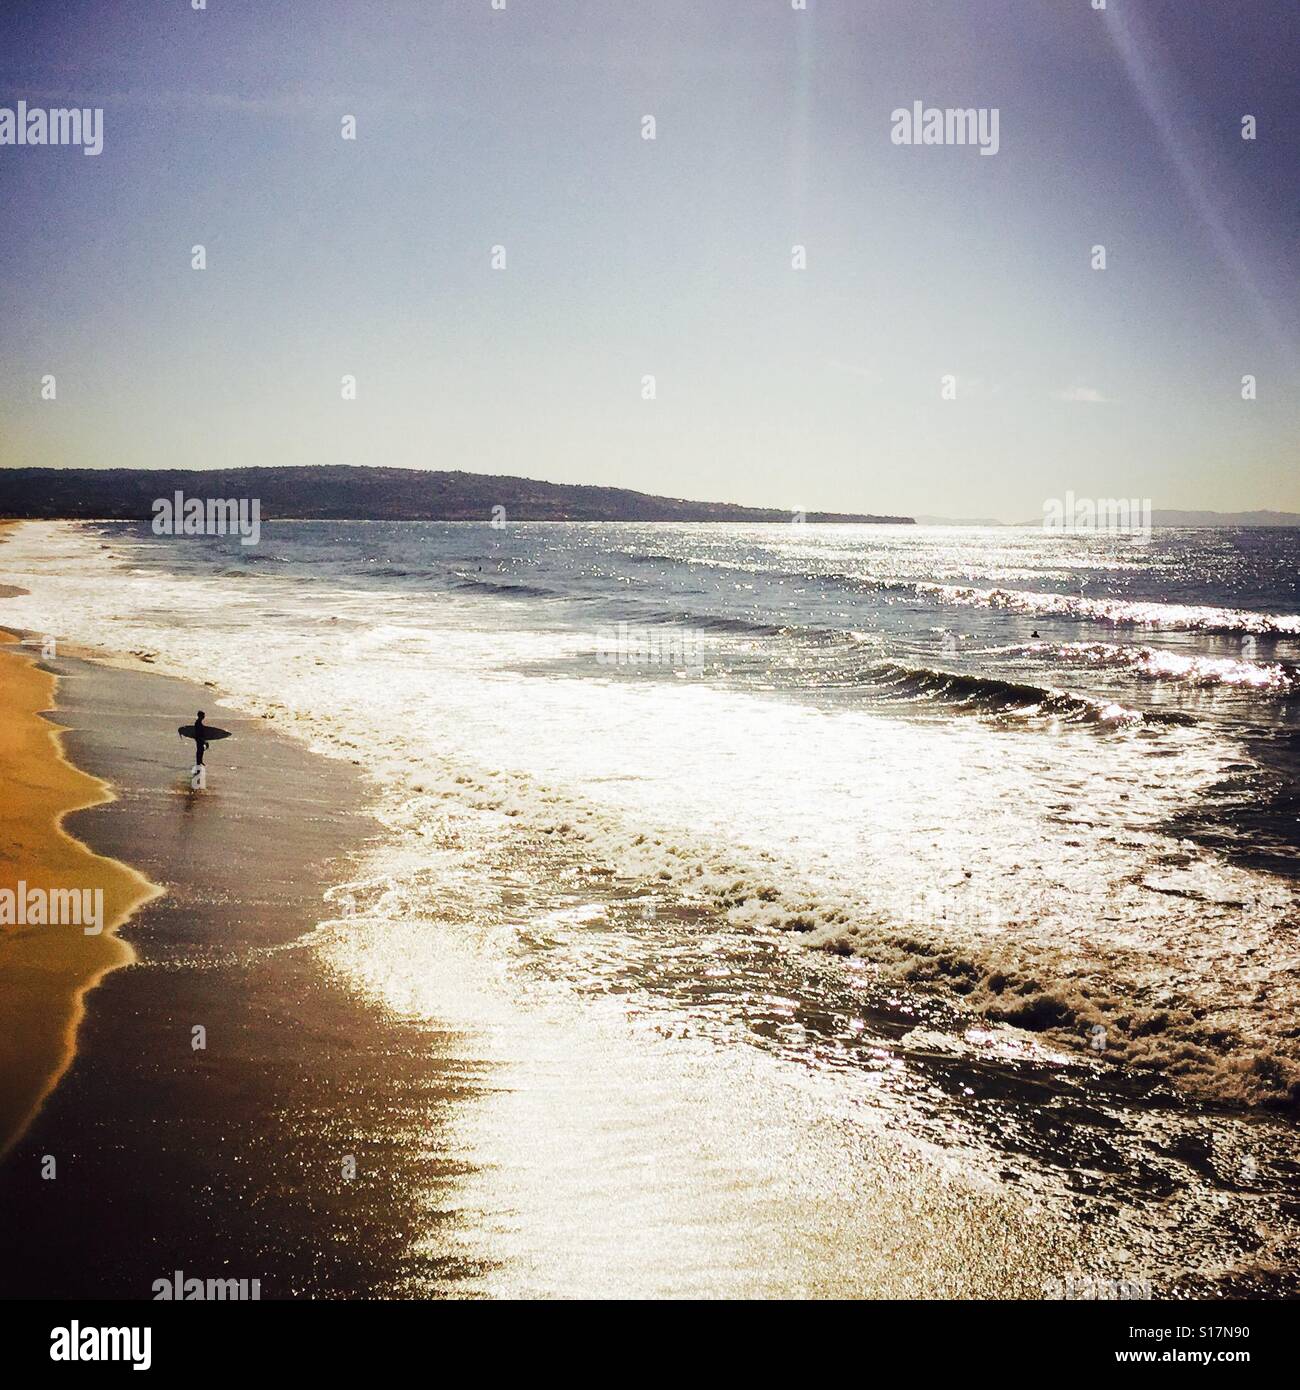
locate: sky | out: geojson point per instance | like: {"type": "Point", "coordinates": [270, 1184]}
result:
{"type": "Point", "coordinates": [671, 258]}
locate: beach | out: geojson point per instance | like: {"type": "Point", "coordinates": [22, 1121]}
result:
{"type": "Point", "coordinates": [46, 969]}
{"type": "Point", "coordinates": [226, 1161]}
{"type": "Point", "coordinates": [650, 653]}
{"type": "Point", "coordinates": [229, 1162]}
{"type": "Point", "coordinates": [401, 1022]}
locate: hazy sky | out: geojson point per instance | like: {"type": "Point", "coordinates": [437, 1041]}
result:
{"type": "Point", "coordinates": [628, 257]}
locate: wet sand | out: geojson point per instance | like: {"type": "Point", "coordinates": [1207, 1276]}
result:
{"type": "Point", "coordinates": [47, 968]}
{"type": "Point", "coordinates": [227, 1161]}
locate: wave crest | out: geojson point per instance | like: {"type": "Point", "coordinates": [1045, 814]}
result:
{"type": "Point", "coordinates": [1120, 612]}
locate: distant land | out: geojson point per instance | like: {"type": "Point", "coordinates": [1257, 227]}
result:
{"type": "Point", "coordinates": [339, 492]}
{"type": "Point", "coordinates": [1225, 518]}
{"type": "Point", "coordinates": [1158, 518]}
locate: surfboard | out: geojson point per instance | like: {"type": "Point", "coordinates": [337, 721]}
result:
{"type": "Point", "coordinates": [210, 732]}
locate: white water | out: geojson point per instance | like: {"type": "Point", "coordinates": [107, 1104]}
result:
{"type": "Point", "coordinates": [513, 801]}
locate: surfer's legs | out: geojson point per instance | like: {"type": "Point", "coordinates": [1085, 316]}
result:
{"type": "Point", "coordinates": [199, 750]}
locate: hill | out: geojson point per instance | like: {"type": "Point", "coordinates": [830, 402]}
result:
{"type": "Point", "coordinates": [340, 492]}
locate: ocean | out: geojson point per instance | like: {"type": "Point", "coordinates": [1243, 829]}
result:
{"type": "Point", "coordinates": [751, 840]}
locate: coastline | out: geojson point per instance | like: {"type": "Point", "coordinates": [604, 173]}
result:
{"type": "Point", "coordinates": [46, 971]}
{"type": "Point", "coordinates": [175, 1168]}
{"type": "Point", "coordinates": [228, 1160]}
{"type": "Point", "coordinates": [477, 1121]}
{"type": "Point", "coordinates": [233, 1161]}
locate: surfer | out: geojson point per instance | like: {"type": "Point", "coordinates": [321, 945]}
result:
{"type": "Point", "coordinates": [200, 743]}
{"type": "Point", "coordinates": [202, 734]}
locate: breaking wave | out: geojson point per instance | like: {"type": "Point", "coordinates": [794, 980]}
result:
{"type": "Point", "coordinates": [990, 695]}
{"type": "Point", "coordinates": [1204, 672]}
{"type": "Point", "coordinates": [1120, 612]}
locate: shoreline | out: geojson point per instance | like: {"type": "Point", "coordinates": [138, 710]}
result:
{"type": "Point", "coordinates": [47, 971]}
{"type": "Point", "coordinates": [228, 1159]}
{"type": "Point", "coordinates": [476, 1121]}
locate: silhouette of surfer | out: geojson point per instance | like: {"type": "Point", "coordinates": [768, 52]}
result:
{"type": "Point", "coordinates": [200, 743]}
{"type": "Point", "coordinates": [202, 734]}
